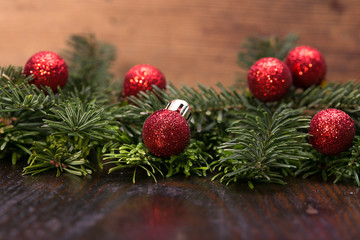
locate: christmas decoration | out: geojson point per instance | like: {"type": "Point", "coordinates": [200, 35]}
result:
{"type": "Point", "coordinates": [166, 132]}
{"type": "Point", "coordinates": [48, 68]}
{"type": "Point", "coordinates": [241, 140]}
{"type": "Point", "coordinates": [269, 79]}
{"type": "Point", "coordinates": [307, 66]}
{"type": "Point", "coordinates": [332, 131]}
{"type": "Point", "coordinates": [141, 78]}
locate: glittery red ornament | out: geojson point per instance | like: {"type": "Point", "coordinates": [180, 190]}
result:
{"type": "Point", "coordinates": [332, 131]}
{"type": "Point", "coordinates": [269, 79]}
{"type": "Point", "coordinates": [141, 78]}
{"type": "Point", "coordinates": [166, 132]}
{"type": "Point", "coordinates": [48, 68]}
{"type": "Point", "coordinates": [307, 66]}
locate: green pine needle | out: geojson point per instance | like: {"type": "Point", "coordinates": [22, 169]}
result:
{"type": "Point", "coordinates": [266, 145]}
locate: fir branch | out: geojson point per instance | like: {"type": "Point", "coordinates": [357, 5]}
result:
{"type": "Point", "coordinates": [259, 46]}
{"type": "Point", "coordinates": [59, 154]}
{"type": "Point", "coordinates": [78, 131]}
{"type": "Point", "coordinates": [211, 110]}
{"type": "Point", "coordinates": [135, 157]}
{"type": "Point", "coordinates": [16, 143]}
{"type": "Point", "coordinates": [89, 62]}
{"type": "Point", "coordinates": [13, 75]}
{"type": "Point", "coordinates": [333, 95]}
{"type": "Point", "coordinates": [347, 165]}
{"type": "Point", "coordinates": [194, 160]}
{"type": "Point", "coordinates": [86, 121]}
{"type": "Point", "coordinates": [19, 97]}
{"type": "Point", "coordinates": [316, 164]}
{"type": "Point", "coordinates": [265, 147]}
{"type": "Point", "coordinates": [22, 108]}
{"type": "Point", "coordinates": [344, 166]}
{"type": "Point", "coordinates": [345, 97]}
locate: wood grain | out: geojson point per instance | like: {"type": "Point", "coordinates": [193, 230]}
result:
{"type": "Point", "coordinates": [110, 207]}
{"type": "Point", "coordinates": [190, 41]}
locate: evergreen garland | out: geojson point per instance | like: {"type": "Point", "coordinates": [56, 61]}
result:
{"type": "Point", "coordinates": [234, 136]}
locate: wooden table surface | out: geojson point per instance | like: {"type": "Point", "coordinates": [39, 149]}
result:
{"type": "Point", "coordinates": [110, 207]}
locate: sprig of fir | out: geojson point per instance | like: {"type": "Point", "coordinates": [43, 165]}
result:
{"type": "Point", "coordinates": [193, 161]}
{"type": "Point", "coordinates": [77, 131]}
{"type": "Point", "coordinates": [89, 61]}
{"type": "Point", "coordinates": [260, 46]}
{"type": "Point", "coordinates": [345, 166]}
{"type": "Point", "coordinates": [266, 145]}
{"type": "Point", "coordinates": [22, 108]}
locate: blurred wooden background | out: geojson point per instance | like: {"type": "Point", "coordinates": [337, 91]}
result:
{"type": "Point", "coordinates": [189, 41]}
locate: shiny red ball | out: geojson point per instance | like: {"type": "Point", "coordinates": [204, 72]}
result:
{"type": "Point", "coordinates": [48, 69]}
{"type": "Point", "coordinates": [307, 66]}
{"type": "Point", "coordinates": [332, 131]}
{"type": "Point", "coordinates": [166, 133]}
{"type": "Point", "coordinates": [269, 79]}
{"type": "Point", "coordinates": [141, 78]}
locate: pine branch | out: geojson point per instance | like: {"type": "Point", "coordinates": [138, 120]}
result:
{"type": "Point", "coordinates": [347, 165]}
{"type": "Point", "coordinates": [210, 110]}
{"type": "Point", "coordinates": [16, 95]}
{"type": "Point", "coordinates": [194, 160]}
{"type": "Point", "coordinates": [339, 168]}
{"type": "Point", "coordinates": [22, 108]}
{"type": "Point", "coordinates": [13, 75]}
{"type": "Point", "coordinates": [266, 145]}
{"type": "Point", "coordinates": [77, 131]}
{"type": "Point", "coordinates": [343, 96]}
{"type": "Point", "coordinates": [15, 143]}
{"type": "Point", "coordinates": [60, 154]}
{"type": "Point", "coordinates": [134, 157]}
{"type": "Point", "coordinates": [333, 95]}
{"type": "Point", "coordinates": [86, 121]}
{"type": "Point", "coordinates": [260, 46]}
{"type": "Point", "coordinates": [89, 62]}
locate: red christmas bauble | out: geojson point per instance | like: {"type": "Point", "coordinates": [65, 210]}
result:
{"type": "Point", "coordinates": [307, 66]}
{"type": "Point", "coordinates": [48, 68]}
{"type": "Point", "coordinates": [332, 131]}
{"type": "Point", "coordinates": [269, 79]}
{"type": "Point", "coordinates": [141, 78]}
{"type": "Point", "coordinates": [166, 133]}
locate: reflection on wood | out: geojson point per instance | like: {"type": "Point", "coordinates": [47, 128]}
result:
{"type": "Point", "coordinates": [110, 207]}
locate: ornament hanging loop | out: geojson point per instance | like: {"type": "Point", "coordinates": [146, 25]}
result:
{"type": "Point", "coordinates": [181, 107]}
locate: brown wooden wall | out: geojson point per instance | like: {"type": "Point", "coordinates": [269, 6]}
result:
{"type": "Point", "coordinates": [189, 40]}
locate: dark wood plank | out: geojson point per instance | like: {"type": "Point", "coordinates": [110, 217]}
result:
{"type": "Point", "coordinates": [110, 207]}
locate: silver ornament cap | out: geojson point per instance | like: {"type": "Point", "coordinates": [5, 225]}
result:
{"type": "Point", "coordinates": [181, 107]}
